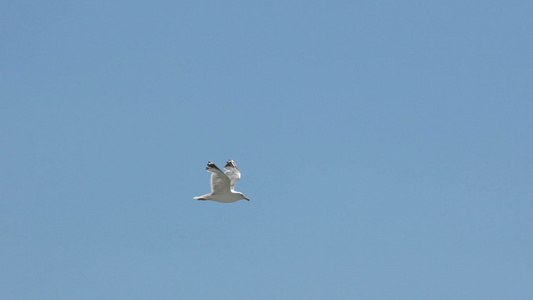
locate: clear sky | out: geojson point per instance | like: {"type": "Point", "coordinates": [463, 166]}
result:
{"type": "Point", "coordinates": [387, 147]}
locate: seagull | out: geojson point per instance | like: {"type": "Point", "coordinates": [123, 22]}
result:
{"type": "Point", "coordinates": [223, 184]}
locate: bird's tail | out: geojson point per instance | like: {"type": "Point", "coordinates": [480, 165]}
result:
{"type": "Point", "coordinates": [203, 197]}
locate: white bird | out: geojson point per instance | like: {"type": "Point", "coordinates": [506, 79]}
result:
{"type": "Point", "coordinates": [223, 184]}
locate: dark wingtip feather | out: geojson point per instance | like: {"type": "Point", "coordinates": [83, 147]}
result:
{"type": "Point", "coordinates": [230, 163]}
{"type": "Point", "coordinates": [211, 165]}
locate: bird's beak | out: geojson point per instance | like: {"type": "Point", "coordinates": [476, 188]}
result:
{"type": "Point", "coordinates": [247, 198]}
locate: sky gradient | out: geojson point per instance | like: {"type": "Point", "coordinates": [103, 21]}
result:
{"type": "Point", "coordinates": [386, 148]}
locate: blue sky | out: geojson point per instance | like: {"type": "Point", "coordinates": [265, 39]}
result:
{"type": "Point", "coordinates": [386, 146]}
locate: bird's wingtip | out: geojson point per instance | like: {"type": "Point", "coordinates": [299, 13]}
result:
{"type": "Point", "coordinates": [230, 163]}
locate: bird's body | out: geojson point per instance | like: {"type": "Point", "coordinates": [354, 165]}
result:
{"type": "Point", "coordinates": [223, 184]}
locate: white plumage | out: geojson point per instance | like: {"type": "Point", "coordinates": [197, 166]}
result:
{"type": "Point", "coordinates": [223, 184]}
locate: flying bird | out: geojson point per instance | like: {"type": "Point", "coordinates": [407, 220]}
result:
{"type": "Point", "coordinates": [223, 184]}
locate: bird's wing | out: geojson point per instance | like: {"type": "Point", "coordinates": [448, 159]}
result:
{"type": "Point", "coordinates": [220, 183]}
{"type": "Point", "coordinates": [232, 172]}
